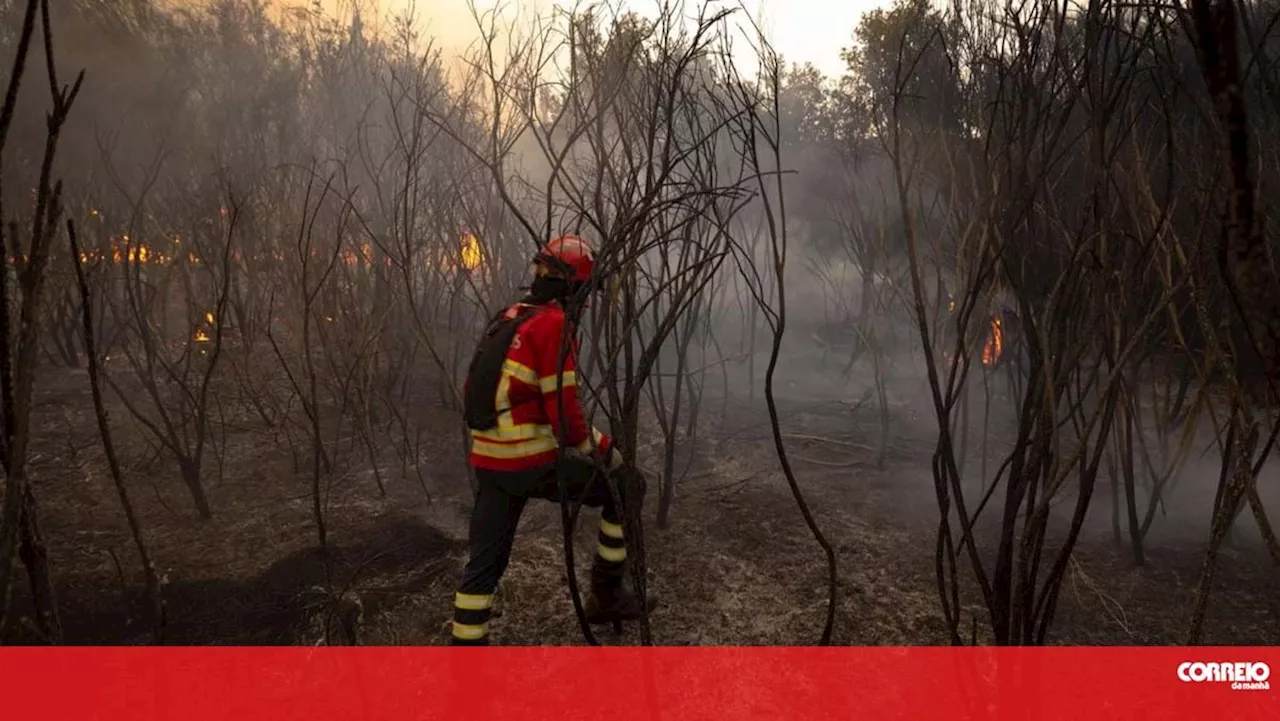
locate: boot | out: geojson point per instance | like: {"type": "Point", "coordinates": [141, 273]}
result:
{"type": "Point", "coordinates": [612, 601]}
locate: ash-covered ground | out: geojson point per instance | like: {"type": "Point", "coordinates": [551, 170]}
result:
{"type": "Point", "coordinates": [736, 564]}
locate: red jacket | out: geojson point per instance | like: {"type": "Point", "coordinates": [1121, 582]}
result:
{"type": "Point", "coordinates": [526, 434]}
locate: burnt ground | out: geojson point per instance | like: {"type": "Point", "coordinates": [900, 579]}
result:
{"type": "Point", "coordinates": [736, 564]}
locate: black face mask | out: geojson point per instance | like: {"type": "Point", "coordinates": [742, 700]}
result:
{"type": "Point", "coordinates": [545, 289]}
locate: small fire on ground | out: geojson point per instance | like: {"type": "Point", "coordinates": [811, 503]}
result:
{"type": "Point", "coordinates": [995, 343]}
{"type": "Point", "coordinates": [202, 336]}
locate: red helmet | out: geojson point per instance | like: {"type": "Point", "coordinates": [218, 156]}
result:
{"type": "Point", "coordinates": [568, 256]}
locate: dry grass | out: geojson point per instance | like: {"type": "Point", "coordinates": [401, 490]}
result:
{"type": "Point", "coordinates": [735, 566]}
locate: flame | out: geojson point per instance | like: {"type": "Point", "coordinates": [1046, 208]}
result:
{"type": "Point", "coordinates": [201, 336]}
{"type": "Point", "coordinates": [209, 316]}
{"type": "Point", "coordinates": [995, 344]}
{"type": "Point", "coordinates": [136, 254]}
{"type": "Point", "coordinates": [471, 254]}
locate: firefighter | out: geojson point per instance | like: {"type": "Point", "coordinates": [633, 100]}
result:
{"type": "Point", "coordinates": [517, 403]}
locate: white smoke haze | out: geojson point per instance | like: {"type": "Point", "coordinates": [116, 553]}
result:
{"type": "Point", "coordinates": [295, 219]}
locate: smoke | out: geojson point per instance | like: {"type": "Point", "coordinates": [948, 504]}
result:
{"type": "Point", "coordinates": [850, 332]}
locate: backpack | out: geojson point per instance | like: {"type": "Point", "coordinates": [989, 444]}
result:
{"type": "Point", "coordinates": [485, 371]}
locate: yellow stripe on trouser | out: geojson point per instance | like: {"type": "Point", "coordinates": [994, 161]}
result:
{"type": "Point", "coordinates": [473, 601]}
{"type": "Point", "coordinates": [471, 607]}
{"type": "Point", "coordinates": [613, 555]}
{"type": "Point", "coordinates": [470, 631]}
{"type": "Point", "coordinates": [609, 546]}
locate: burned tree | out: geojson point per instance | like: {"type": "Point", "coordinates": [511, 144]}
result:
{"type": "Point", "coordinates": [19, 520]}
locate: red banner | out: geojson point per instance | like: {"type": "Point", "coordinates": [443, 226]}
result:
{"type": "Point", "coordinates": [194, 684]}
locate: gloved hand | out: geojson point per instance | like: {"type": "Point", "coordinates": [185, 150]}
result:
{"type": "Point", "coordinates": [613, 461]}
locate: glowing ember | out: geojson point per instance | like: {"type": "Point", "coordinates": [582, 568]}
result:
{"type": "Point", "coordinates": [471, 255]}
{"type": "Point", "coordinates": [201, 336]}
{"type": "Point", "coordinates": [995, 343]}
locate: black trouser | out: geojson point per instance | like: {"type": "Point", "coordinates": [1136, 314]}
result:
{"type": "Point", "coordinates": [500, 500]}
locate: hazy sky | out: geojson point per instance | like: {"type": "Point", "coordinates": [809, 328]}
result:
{"type": "Point", "coordinates": [802, 30]}
{"type": "Point", "coordinates": [814, 31]}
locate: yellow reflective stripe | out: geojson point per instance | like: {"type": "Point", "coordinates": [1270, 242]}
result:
{"type": "Point", "coordinates": [513, 450]}
{"type": "Point", "coordinates": [470, 631]}
{"type": "Point", "coordinates": [521, 371]}
{"type": "Point", "coordinates": [507, 429]}
{"type": "Point", "coordinates": [472, 601]}
{"type": "Point", "coordinates": [522, 432]}
{"type": "Point", "coordinates": [549, 383]}
{"type": "Point", "coordinates": [502, 402]}
{"type": "Point", "coordinates": [612, 530]}
{"type": "Point", "coordinates": [616, 555]}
